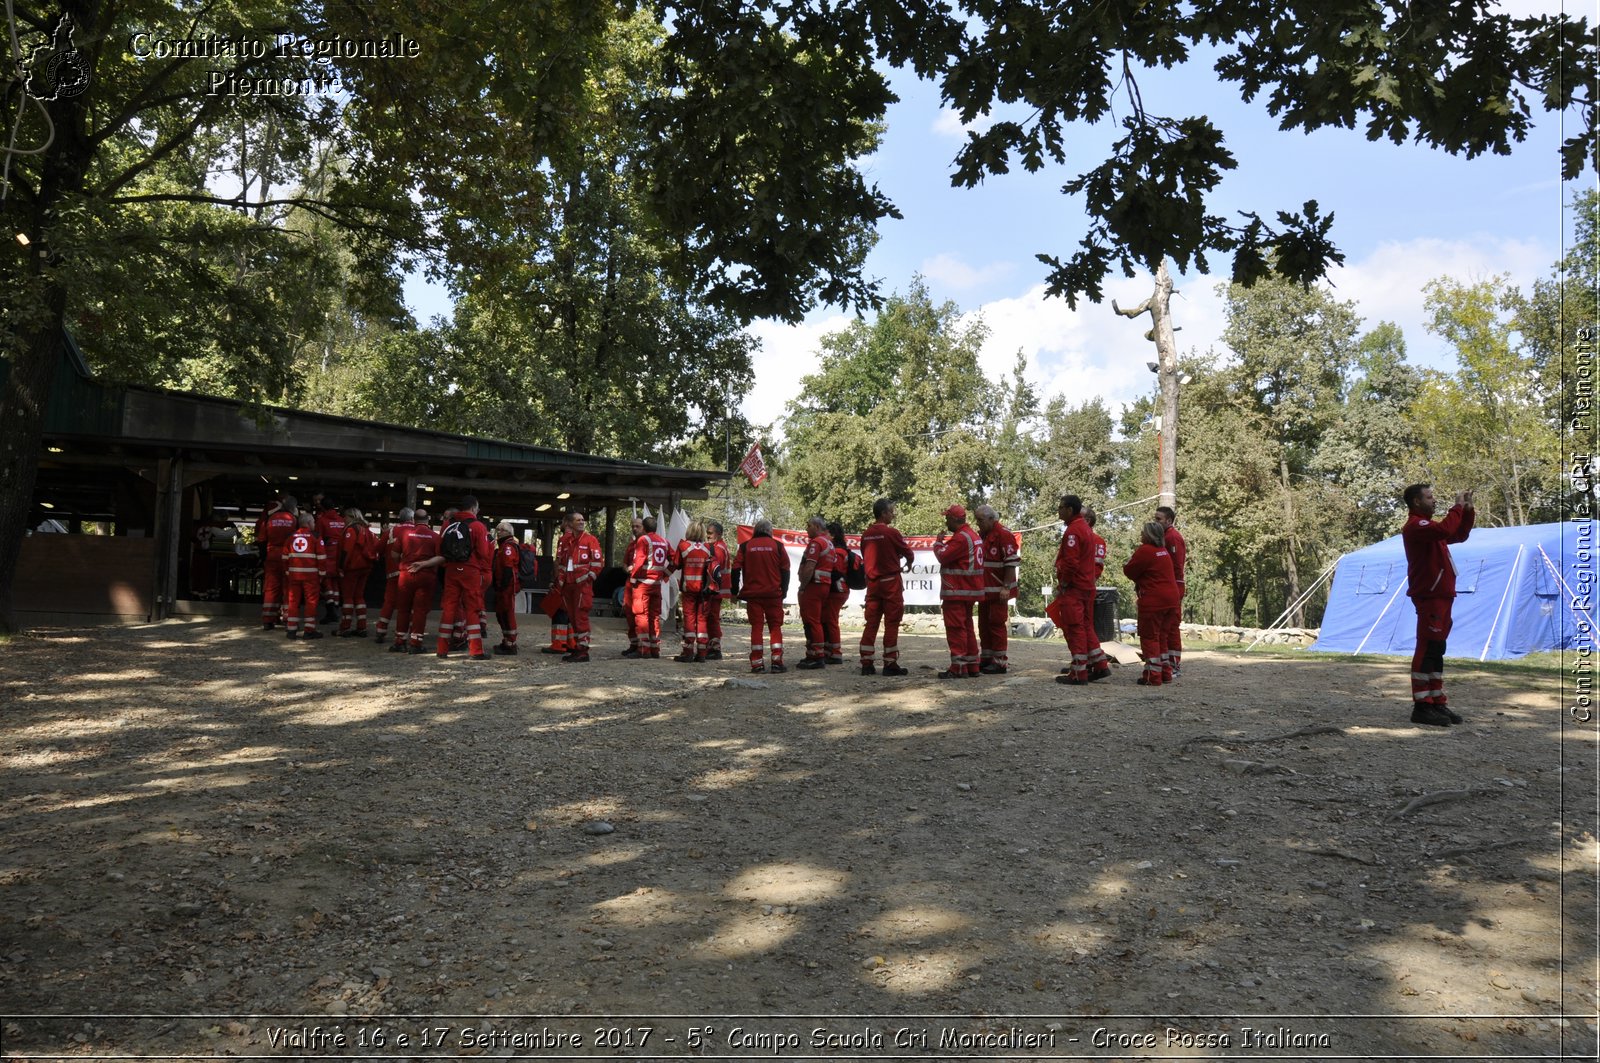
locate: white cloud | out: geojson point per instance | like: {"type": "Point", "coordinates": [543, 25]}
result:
{"type": "Point", "coordinates": [1387, 284]}
{"type": "Point", "coordinates": [1093, 351]}
{"type": "Point", "coordinates": [949, 270]}
{"type": "Point", "coordinates": [949, 124]}
{"type": "Point", "coordinates": [787, 353]}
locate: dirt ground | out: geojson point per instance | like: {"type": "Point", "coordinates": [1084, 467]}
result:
{"type": "Point", "coordinates": [322, 849]}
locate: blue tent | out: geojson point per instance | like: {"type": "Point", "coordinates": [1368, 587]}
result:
{"type": "Point", "coordinates": [1518, 590]}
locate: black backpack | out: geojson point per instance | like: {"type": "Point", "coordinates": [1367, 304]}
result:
{"type": "Point", "coordinates": [455, 545]}
{"type": "Point", "coordinates": [855, 571]}
{"type": "Point", "coordinates": [527, 566]}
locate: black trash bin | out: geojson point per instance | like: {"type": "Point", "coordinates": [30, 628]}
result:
{"type": "Point", "coordinates": [1106, 600]}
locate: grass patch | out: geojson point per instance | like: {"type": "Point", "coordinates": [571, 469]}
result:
{"type": "Point", "coordinates": [1544, 665]}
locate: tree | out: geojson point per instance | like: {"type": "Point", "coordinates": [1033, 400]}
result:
{"type": "Point", "coordinates": [898, 409]}
{"type": "Point", "coordinates": [440, 149]}
{"type": "Point", "coordinates": [1368, 452]}
{"type": "Point", "coordinates": [1553, 322]}
{"type": "Point", "coordinates": [1488, 426]}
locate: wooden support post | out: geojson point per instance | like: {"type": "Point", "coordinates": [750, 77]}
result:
{"type": "Point", "coordinates": [611, 534]}
{"type": "Point", "coordinates": [168, 526]}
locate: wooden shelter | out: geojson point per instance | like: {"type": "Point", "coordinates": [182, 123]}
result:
{"type": "Point", "coordinates": [143, 467]}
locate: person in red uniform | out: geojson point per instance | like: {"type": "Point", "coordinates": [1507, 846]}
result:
{"type": "Point", "coordinates": [650, 563]}
{"type": "Point", "coordinates": [816, 581]}
{"type": "Point", "coordinates": [694, 592]}
{"type": "Point", "coordinates": [303, 562]}
{"type": "Point", "coordinates": [960, 557]}
{"type": "Point", "coordinates": [358, 550]}
{"type": "Point", "coordinates": [555, 600]}
{"type": "Point", "coordinates": [1431, 586]}
{"type": "Point", "coordinates": [1075, 572]}
{"type": "Point", "coordinates": [838, 594]}
{"type": "Point", "coordinates": [634, 560]}
{"type": "Point", "coordinates": [390, 556]}
{"type": "Point", "coordinates": [1150, 569]}
{"type": "Point", "coordinates": [463, 578]}
{"type": "Point", "coordinates": [1099, 663]}
{"type": "Point", "coordinates": [330, 525]}
{"type": "Point", "coordinates": [760, 578]}
{"type": "Point", "coordinates": [1001, 555]}
{"type": "Point", "coordinates": [584, 562]}
{"type": "Point", "coordinates": [417, 585]}
{"type": "Point", "coordinates": [507, 556]}
{"type": "Point", "coordinates": [1180, 561]}
{"type": "Point", "coordinates": [886, 555]}
{"type": "Point", "coordinates": [722, 564]}
{"type": "Point", "coordinates": [278, 526]}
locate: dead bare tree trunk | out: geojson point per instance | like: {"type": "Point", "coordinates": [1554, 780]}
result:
{"type": "Point", "coordinates": [1166, 341]}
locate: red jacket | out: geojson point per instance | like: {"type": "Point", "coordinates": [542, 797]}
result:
{"type": "Point", "coordinates": [303, 556]}
{"type": "Point", "coordinates": [882, 550]}
{"type": "Point", "coordinates": [1075, 557]}
{"type": "Point", "coordinates": [819, 551]}
{"type": "Point", "coordinates": [358, 550]}
{"type": "Point", "coordinates": [418, 542]}
{"type": "Point", "coordinates": [330, 523]}
{"type": "Point", "coordinates": [393, 547]}
{"type": "Point", "coordinates": [1150, 568]}
{"type": "Point", "coordinates": [1429, 571]}
{"type": "Point", "coordinates": [1001, 555]}
{"type": "Point", "coordinates": [482, 550]}
{"type": "Point", "coordinates": [960, 566]}
{"type": "Point", "coordinates": [719, 555]}
{"type": "Point", "coordinates": [762, 561]}
{"type": "Point", "coordinates": [584, 560]}
{"type": "Point", "coordinates": [280, 526]}
{"type": "Point", "coordinates": [650, 559]}
{"type": "Point", "coordinates": [1099, 553]}
{"type": "Point", "coordinates": [507, 556]}
{"type": "Point", "coordinates": [1180, 557]}
{"type": "Point", "coordinates": [563, 552]}
{"type": "Point", "coordinates": [693, 560]}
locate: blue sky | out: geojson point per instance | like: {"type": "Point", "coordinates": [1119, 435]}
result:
{"type": "Point", "coordinates": [1403, 216]}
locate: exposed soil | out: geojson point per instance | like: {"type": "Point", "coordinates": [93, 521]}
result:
{"type": "Point", "coordinates": [208, 822]}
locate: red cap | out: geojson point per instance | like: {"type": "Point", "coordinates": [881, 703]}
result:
{"type": "Point", "coordinates": [958, 512]}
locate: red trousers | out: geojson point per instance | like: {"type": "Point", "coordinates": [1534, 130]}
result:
{"type": "Point", "coordinates": [886, 602]}
{"type": "Point", "coordinates": [1068, 613]}
{"type": "Point", "coordinates": [331, 581]}
{"type": "Point", "coordinates": [714, 624]}
{"type": "Point", "coordinates": [1175, 637]}
{"type": "Point", "coordinates": [272, 577]}
{"type": "Point", "coordinates": [505, 612]}
{"type": "Point", "coordinates": [412, 603]}
{"type": "Point", "coordinates": [579, 599]}
{"type": "Point", "coordinates": [300, 604]}
{"type": "Point", "coordinates": [353, 599]}
{"type": "Point", "coordinates": [960, 635]}
{"type": "Point", "coordinates": [768, 612]}
{"type": "Point", "coordinates": [994, 628]}
{"type": "Point", "coordinates": [695, 610]}
{"type": "Point", "coordinates": [830, 622]}
{"type": "Point", "coordinates": [1153, 627]}
{"type": "Point", "coordinates": [1427, 663]}
{"type": "Point", "coordinates": [813, 602]}
{"type": "Point", "coordinates": [1097, 656]}
{"type": "Point", "coordinates": [644, 605]}
{"type": "Point", "coordinates": [463, 602]}
{"type": "Point", "coordinates": [391, 602]}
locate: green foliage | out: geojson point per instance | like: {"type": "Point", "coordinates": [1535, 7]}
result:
{"type": "Point", "coordinates": [1488, 426]}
